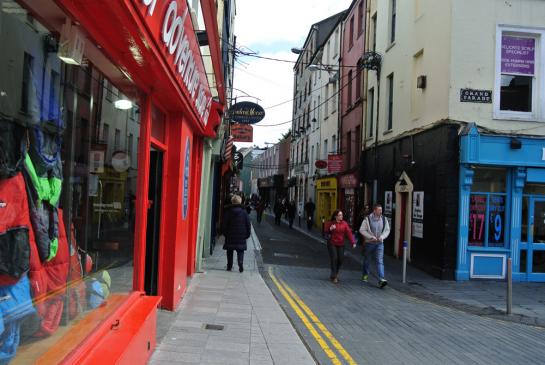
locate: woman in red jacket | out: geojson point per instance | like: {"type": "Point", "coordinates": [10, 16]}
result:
{"type": "Point", "coordinates": [338, 230]}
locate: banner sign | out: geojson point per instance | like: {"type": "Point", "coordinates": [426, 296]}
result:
{"type": "Point", "coordinates": [335, 164]}
{"type": "Point", "coordinates": [169, 23]}
{"type": "Point", "coordinates": [242, 132]}
{"type": "Point", "coordinates": [348, 181]}
{"type": "Point", "coordinates": [496, 220]}
{"type": "Point", "coordinates": [187, 172]}
{"type": "Point", "coordinates": [518, 55]}
{"type": "Point", "coordinates": [246, 112]}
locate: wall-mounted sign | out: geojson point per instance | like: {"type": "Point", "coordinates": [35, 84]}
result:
{"type": "Point", "coordinates": [320, 164]}
{"type": "Point", "coordinates": [517, 55]}
{"type": "Point", "coordinates": [475, 96]}
{"type": "Point", "coordinates": [496, 220]}
{"type": "Point", "coordinates": [121, 161]}
{"type": "Point", "coordinates": [348, 181]}
{"type": "Point", "coordinates": [242, 132]}
{"type": "Point", "coordinates": [327, 183]}
{"type": "Point", "coordinates": [187, 172]}
{"type": "Point", "coordinates": [169, 22]}
{"type": "Point", "coordinates": [388, 203]}
{"type": "Point", "coordinates": [246, 112]}
{"type": "Point", "coordinates": [335, 164]}
{"type": "Point", "coordinates": [96, 161]}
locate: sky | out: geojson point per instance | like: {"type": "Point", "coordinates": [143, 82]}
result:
{"type": "Point", "coordinates": [272, 28]}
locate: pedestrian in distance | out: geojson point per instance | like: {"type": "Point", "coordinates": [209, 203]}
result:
{"type": "Point", "coordinates": [309, 210]}
{"type": "Point", "coordinates": [259, 208]}
{"type": "Point", "coordinates": [291, 212]}
{"type": "Point", "coordinates": [374, 229]}
{"type": "Point", "coordinates": [335, 233]}
{"type": "Point", "coordinates": [278, 210]}
{"type": "Point", "coordinates": [236, 229]}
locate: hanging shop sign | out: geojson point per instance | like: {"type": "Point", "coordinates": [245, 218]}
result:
{"type": "Point", "coordinates": [388, 203]}
{"type": "Point", "coordinates": [349, 181]}
{"type": "Point", "coordinates": [187, 172]}
{"type": "Point", "coordinates": [475, 96]}
{"type": "Point", "coordinates": [242, 132]}
{"type": "Point", "coordinates": [246, 112]}
{"type": "Point", "coordinates": [320, 164]}
{"type": "Point", "coordinates": [418, 214]}
{"type": "Point", "coordinates": [335, 164]}
{"type": "Point", "coordinates": [518, 55]}
{"type": "Point", "coordinates": [169, 22]}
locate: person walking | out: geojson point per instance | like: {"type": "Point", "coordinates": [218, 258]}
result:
{"type": "Point", "coordinates": [309, 210]}
{"type": "Point", "coordinates": [236, 229]}
{"type": "Point", "coordinates": [278, 210]}
{"type": "Point", "coordinates": [259, 208]}
{"type": "Point", "coordinates": [374, 229]}
{"type": "Point", "coordinates": [291, 212]}
{"type": "Point", "coordinates": [336, 230]}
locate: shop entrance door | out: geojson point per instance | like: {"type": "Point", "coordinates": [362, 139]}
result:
{"type": "Point", "coordinates": [154, 221]}
{"type": "Point", "coordinates": [535, 256]}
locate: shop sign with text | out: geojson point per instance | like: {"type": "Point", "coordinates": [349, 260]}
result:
{"type": "Point", "coordinates": [335, 164]}
{"type": "Point", "coordinates": [518, 55]}
{"type": "Point", "coordinates": [246, 112]}
{"type": "Point", "coordinates": [348, 181]}
{"type": "Point", "coordinates": [169, 23]}
{"type": "Point", "coordinates": [242, 132]}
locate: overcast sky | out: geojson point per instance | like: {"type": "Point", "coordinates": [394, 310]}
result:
{"type": "Point", "coordinates": [272, 28]}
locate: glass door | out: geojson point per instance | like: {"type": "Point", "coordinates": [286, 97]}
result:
{"type": "Point", "coordinates": [535, 257]}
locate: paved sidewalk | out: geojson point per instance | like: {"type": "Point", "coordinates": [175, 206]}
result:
{"type": "Point", "coordinates": [480, 297]}
{"type": "Point", "coordinates": [255, 328]}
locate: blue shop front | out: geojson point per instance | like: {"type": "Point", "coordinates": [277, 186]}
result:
{"type": "Point", "coordinates": [501, 207]}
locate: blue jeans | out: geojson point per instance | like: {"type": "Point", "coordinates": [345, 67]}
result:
{"type": "Point", "coordinates": [375, 250]}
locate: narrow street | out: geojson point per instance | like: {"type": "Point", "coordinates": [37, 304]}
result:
{"type": "Point", "coordinates": [358, 323]}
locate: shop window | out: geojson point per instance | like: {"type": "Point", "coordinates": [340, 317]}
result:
{"type": "Point", "coordinates": [488, 207]}
{"type": "Point", "coordinates": [370, 111]}
{"type": "Point", "coordinates": [517, 74]}
{"type": "Point", "coordinates": [392, 21]}
{"type": "Point", "coordinates": [85, 253]}
{"type": "Point", "coordinates": [390, 102]}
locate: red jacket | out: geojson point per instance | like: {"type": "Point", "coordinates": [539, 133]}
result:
{"type": "Point", "coordinates": [341, 230]}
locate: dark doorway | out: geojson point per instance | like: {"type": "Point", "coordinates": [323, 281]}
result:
{"type": "Point", "coordinates": [154, 221]}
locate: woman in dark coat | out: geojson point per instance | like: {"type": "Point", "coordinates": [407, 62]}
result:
{"type": "Point", "coordinates": [236, 229]}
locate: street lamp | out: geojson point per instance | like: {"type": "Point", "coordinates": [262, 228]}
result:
{"type": "Point", "coordinates": [296, 50]}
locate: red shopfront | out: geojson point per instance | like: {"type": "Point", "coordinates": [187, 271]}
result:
{"type": "Point", "coordinates": [147, 50]}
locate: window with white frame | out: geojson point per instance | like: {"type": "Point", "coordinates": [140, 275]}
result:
{"type": "Point", "coordinates": [518, 66]}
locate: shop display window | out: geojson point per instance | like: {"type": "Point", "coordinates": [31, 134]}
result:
{"type": "Point", "coordinates": [68, 170]}
{"type": "Point", "coordinates": [487, 208]}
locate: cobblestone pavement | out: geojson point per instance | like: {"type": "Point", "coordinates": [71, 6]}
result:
{"type": "Point", "coordinates": [387, 326]}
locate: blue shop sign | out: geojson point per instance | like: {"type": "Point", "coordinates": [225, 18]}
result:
{"type": "Point", "coordinates": [246, 112]}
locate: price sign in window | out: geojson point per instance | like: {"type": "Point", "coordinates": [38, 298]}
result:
{"type": "Point", "coordinates": [477, 220]}
{"type": "Point", "coordinates": [496, 220]}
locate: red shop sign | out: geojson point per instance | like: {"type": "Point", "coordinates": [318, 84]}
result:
{"type": "Point", "coordinates": [169, 22]}
{"type": "Point", "coordinates": [242, 132]}
{"type": "Point", "coordinates": [348, 181]}
{"type": "Point", "coordinates": [335, 163]}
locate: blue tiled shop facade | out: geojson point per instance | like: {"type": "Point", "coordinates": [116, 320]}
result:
{"type": "Point", "coordinates": [501, 211]}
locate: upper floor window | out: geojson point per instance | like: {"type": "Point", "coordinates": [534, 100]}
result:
{"type": "Point", "coordinates": [374, 27]}
{"type": "Point", "coordinates": [349, 89]}
{"type": "Point", "coordinates": [360, 17]}
{"type": "Point", "coordinates": [351, 34]}
{"type": "Point", "coordinates": [518, 79]}
{"type": "Point", "coordinates": [392, 21]}
{"type": "Point", "coordinates": [390, 101]}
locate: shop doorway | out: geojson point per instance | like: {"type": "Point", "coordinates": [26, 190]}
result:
{"type": "Point", "coordinates": [154, 221]}
{"type": "Point", "coordinates": [533, 258]}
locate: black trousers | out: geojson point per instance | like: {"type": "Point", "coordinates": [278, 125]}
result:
{"type": "Point", "coordinates": [336, 255]}
{"type": "Point", "coordinates": [277, 218]}
{"type": "Point", "coordinates": [259, 216]}
{"type": "Point", "coordinates": [291, 219]}
{"type": "Point", "coordinates": [309, 223]}
{"type": "Point", "coordinates": [240, 258]}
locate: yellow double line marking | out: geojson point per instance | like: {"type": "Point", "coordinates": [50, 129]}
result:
{"type": "Point", "coordinates": [310, 320]}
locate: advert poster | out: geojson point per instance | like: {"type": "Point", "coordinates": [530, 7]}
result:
{"type": "Point", "coordinates": [388, 202]}
{"type": "Point", "coordinates": [477, 221]}
{"type": "Point", "coordinates": [418, 214]}
{"type": "Point", "coordinates": [96, 162]}
{"type": "Point", "coordinates": [518, 55]}
{"type": "Point", "coordinates": [334, 164]}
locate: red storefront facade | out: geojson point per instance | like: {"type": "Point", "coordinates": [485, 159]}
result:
{"type": "Point", "coordinates": [148, 50]}
{"type": "Point", "coordinates": [351, 105]}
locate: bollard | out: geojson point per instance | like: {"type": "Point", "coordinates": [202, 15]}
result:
{"type": "Point", "coordinates": [509, 279]}
{"type": "Point", "coordinates": [404, 262]}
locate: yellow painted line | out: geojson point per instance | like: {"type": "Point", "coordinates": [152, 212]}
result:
{"type": "Point", "coordinates": [320, 325]}
{"type": "Point", "coordinates": [323, 344]}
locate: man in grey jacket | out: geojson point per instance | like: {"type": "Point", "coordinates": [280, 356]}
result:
{"type": "Point", "coordinates": [374, 229]}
